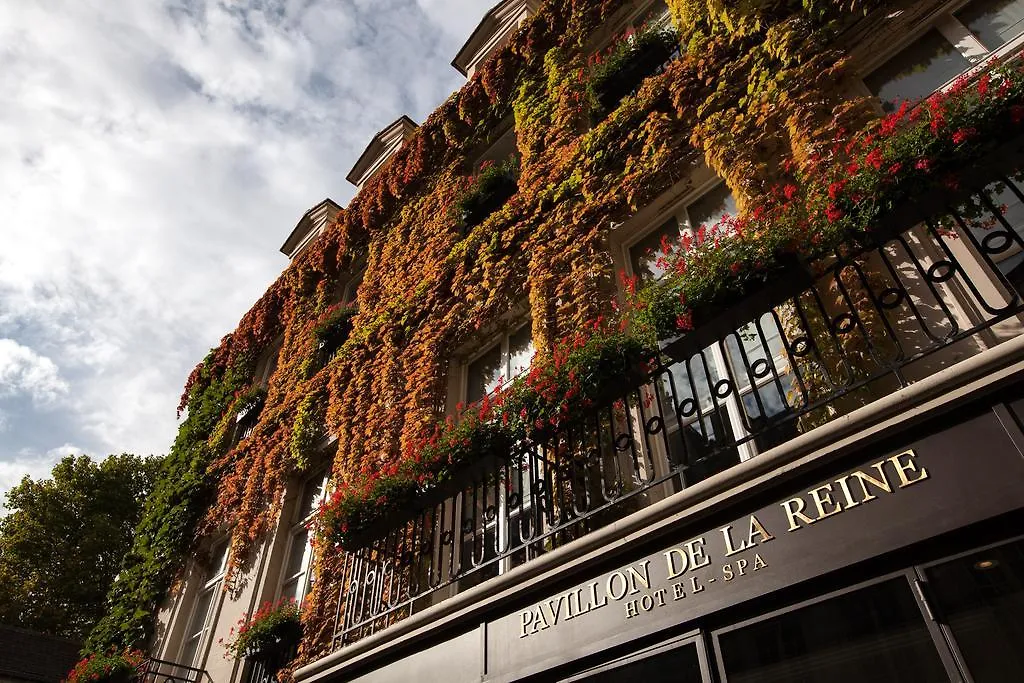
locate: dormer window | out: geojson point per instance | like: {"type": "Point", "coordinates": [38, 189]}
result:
{"type": "Point", "coordinates": [382, 147]}
{"type": "Point", "coordinates": [309, 226]}
{"type": "Point", "coordinates": [492, 32]}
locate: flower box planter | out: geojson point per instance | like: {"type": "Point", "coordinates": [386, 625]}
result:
{"type": "Point", "coordinates": [407, 505]}
{"type": "Point", "coordinates": [273, 656]}
{"type": "Point", "coordinates": [1004, 160]}
{"type": "Point", "coordinates": [757, 296]}
{"type": "Point", "coordinates": [480, 205]}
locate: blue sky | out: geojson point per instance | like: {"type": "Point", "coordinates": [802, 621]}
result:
{"type": "Point", "coordinates": [153, 158]}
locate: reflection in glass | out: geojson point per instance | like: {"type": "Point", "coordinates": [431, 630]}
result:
{"type": "Point", "coordinates": [917, 71]}
{"type": "Point", "coordinates": [981, 598]}
{"type": "Point", "coordinates": [711, 207]}
{"type": "Point", "coordinates": [874, 634]}
{"type": "Point", "coordinates": [484, 374]}
{"type": "Point", "coordinates": [520, 351]}
{"type": "Point", "coordinates": [645, 254]}
{"type": "Point", "coordinates": [993, 22]}
{"type": "Point", "coordinates": [676, 666]}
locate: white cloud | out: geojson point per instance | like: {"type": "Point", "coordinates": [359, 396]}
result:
{"type": "Point", "coordinates": [25, 372]}
{"type": "Point", "coordinates": [153, 157]}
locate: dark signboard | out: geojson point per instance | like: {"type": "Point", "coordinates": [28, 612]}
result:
{"type": "Point", "coordinates": [938, 484]}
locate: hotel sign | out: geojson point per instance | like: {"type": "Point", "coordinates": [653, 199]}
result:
{"type": "Point", "coordinates": [730, 553]}
{"type": "Point", "coordinates": [939, 484]}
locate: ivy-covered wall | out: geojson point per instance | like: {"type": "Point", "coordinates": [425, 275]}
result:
{"type": "Point", "coordinates": [757, 85]}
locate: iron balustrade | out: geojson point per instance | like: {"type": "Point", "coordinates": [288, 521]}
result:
{"type": "Point", "coordinates": [264, 669]}
{"type": "Point", "coordinates": [160, 671]}
{"type": "Point", "coordinates": [879, 314]}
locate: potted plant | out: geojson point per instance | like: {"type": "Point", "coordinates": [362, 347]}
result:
{"type": "Point", "coordinates": [628, 62]}
{"type": "Point", "coordinates": [269, 636]}
{"type": "Point", "coordinates": [109, 667]}
{"type": "Point", "coordinates": [488, 191]}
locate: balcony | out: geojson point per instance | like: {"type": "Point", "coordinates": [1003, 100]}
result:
{"type": "Point", "coordinates": [160, 671]}
{"type": "Point", "coordinates": [934, 286]}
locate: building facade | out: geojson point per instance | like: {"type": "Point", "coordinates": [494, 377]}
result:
{"type": "Point", "coordinates": [816, 473]}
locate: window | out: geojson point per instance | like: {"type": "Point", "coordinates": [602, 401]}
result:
{"type": "Point", "coordinates": [950, 47]}
{"type": "Point", "coordinates": [753, 360]}
{"type": "Point", "coordinates": [296, 581]}
{"type": "Point", "coordinates": [706, 210]}
{"type": "Point", "coordinates": [199, 621]}
{"type": "Point", "coordinates": [500, 363]}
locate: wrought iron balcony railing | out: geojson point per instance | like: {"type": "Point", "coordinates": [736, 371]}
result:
{"type": "Point", "coordinates": [160, 671]}
{"type": "Point", "coordinates": [936, 289]}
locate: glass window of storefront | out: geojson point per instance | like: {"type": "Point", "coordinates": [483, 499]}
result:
{"type": "Point", "coordinates": [955, 619]}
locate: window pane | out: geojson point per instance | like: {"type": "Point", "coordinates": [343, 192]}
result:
{"type": "Point", "coordinates": [763, 344]}
{"type": "Point", "coordinates": [774, 405]}
{"type": "Point", "coordinates": [290, 589]}
{"type": "Point", "coordinates": [994, 22]}
{"type": "Point", "coordinates": [981, 598]}
{"type": "Point", "coordinates": [874, 634]}
{"type": "Point", "coordinates": [711, 207]}
{"type": "Point", "coordinates": [484, 374]}
{"type": "Point", "coordinates": [677, 666]}
{"type": "Point", "coordinates": [218, 560]}
{"type": "Point", "coordinates": [520, 351]}
{"type": "Point", "coordinates": [200, 612]}
{"type": "Point", "coordinates": [311, 492]}
{"type": "Point", "coordinates": [917, 71]}
{"type": "Point", "coordinates": [297, 554]}
{"type": "Point", "coordinates": [644, 255]}
{"type": "Point", "coordinates": [986, 223]}
{"type": "Point", "coordinates": [190, 651]}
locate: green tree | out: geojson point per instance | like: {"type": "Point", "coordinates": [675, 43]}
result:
{"type": "Point", "coordinates": [62, 543]}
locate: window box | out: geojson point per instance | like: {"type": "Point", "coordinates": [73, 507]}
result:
{"type": "Point", "coordinates": [489, 190]}
{"type": "Point", "coordinates": [629, 63]}
{"type": "Point", "coordinates": [754, 295]}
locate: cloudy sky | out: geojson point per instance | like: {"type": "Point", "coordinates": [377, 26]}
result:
{"type": "Point", "coordinates": [154, 155]}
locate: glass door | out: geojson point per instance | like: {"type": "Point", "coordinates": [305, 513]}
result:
{"type": "Point", "coordinates": [880, 632]}
{"type": "Point", "coordinates": [679, 661]}
{"type": "Point", "coordinates": [978, 598]}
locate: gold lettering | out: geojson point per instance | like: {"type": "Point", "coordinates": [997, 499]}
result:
{"type": "Point", "coordinates": [554, 609]}
{"type": "Point", "coordinates": [525, 619]}
{"type": "Point", "coordinates": [636, 577]}
{"type": "Point", "coordinates": [670, 560]}
{"type": "Point", "coordinates": [594, 602]}
{"type": "Point", "coordinates": [646, 603]}
{"type": "Point", "coordinates": [678, 591]}
{"type": "Point", "coordinates": [880, 484]}
{"type": "Point", "coordinates": [631, 609]}
{"type": "Point", "coordinates": [759, 561]}
{"type": "Point", "coordinates": [795, 508]}
{"type": "Point", "coordinates": [909, 466]}
{"type": "Point", "coordinates": [757, 529]}
{"type": "Point", "coordinates": [695, 587]}
{"type": "Point", "coordinates": [820, 501]}
{"type": "Point", "coordinates": [660, 596]}
{"type": "Point", "coordinates": [847, 494]}
{"type": "Point", "coordinates": [610, 585]}
{"type": "Point", "coordinates": [727, 572]}
{"type": "Point", "coordinates": [695, 549]}
{"type": "Point", "coordinates": [729, 549]}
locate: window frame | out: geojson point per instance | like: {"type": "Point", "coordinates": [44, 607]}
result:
{"type": "Point", "coordinates": [503, 340]}
{"type": "Point", "coordinates": [959, 36]}
{"type": "Point", "coordinates": [297, 527]}
{"type": "Point", "coordinates": [212, 584]}
{"type": "Point", "coordinates": [717, 357]}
